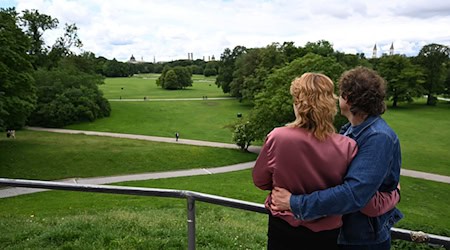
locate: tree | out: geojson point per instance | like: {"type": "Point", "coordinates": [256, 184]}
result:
{"type": "Point", "coordinates": [63, 44]}
{"type": "Point", "coordinates": [290, 52]}
{"type": "Point", "coordinates": [226, 67]}
{"type": "Point", "coordinates": [433, 58]}
{"type": "Point", "coordinates": [245, 70]}
{"type": "Point", "coordinates": [273, 106]}
{"type": "Point", "coordinates": [210, 68]}
{"type": "Point", "coordinates": [403, 78]}
{"type": "Point", "coordinates": [67, 94]}
{"type": "Point", "coordinates": [184, 76]}
{"type": "Point", "coordinates": [17, 89]}
{"type": "Point", "coordinates": [252, 69]}
{"type": "Point", "coordinates": [350, 61]}
{"type": "Point", "coordinates": [35, 24]}
{"type": "Point", "coordinates": [321, 47]}
{"type": "Point", "coordinates": [114, 68]}
{"type": "Point", "coordinates": [180, 77]}
{"type": "Point", "coordinates": [243, 134]}
{"type": "Point", "coordinates": [171, 80]}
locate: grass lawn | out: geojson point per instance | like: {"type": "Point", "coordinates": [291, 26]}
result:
{"type": "Point", "coordinates": [423, 130]}
{"type": "Point", "coordinates": [138, 86]}
{"type": "Point", "coordinates": [424, 134]}
{"type": "Point", "coordinates": [74, 220]}
{"type": "Point", "coordinates": [50, 156]}
{"type": "Point", "coordinates": [201, 120]}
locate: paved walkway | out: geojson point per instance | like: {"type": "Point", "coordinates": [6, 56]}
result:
{"type": "Point", "coordinates": [15, 191]}
{"type": "Point", "coordinates": [169, 99]}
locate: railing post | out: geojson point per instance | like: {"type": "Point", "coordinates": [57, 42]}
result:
{"type": "Point", "coordinates": [191, 222]}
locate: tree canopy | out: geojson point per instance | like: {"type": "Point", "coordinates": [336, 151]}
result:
{"type": "Point", "coordinates": [434, 59]}
{"type": "Point", "coordinates": [17, 89]}
{"type": "Point", "coordinates": [178, 77]}
{"type": "Point", "coordinates": [273, 106]}
{"type": "Point", "coordinates": [404, 79]}
{"type": "Point", "coordinates": [45, 85]}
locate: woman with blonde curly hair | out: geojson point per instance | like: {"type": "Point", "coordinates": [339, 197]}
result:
{"type": "Point", "coordinates": [304, 156]}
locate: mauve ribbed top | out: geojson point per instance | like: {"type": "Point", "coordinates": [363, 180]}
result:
{"type": "Point", "coordinates": [294, 159]}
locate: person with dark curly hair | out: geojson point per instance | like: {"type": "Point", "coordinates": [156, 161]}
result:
{"type": "Point", "coordinates": [376, 167]}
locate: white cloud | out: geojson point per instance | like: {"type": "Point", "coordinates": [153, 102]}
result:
{"type": "Point", "coordinates": [169, 29]}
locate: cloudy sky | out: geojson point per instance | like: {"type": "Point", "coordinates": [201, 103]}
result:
{"type": "Point", "coordinates": [170, 29]}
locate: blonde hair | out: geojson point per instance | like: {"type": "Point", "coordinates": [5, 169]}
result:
{"type": "Point", "coordinates": [314, 103]}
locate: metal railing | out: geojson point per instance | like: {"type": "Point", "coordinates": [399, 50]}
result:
{"type": "Point", "coordinates": [397, 233]}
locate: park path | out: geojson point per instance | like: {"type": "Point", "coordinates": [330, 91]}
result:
{"type": "Point", "coordinates": [15, 191]}
{"type": "Point", "coordinates": [169, 99]}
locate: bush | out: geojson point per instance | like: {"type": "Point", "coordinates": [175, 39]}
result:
{"type": "Point", "coordinates": [243, 134]}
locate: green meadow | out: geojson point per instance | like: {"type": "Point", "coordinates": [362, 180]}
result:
{"type": "Point", "coordinates": [74, 220]}
{"type": "Point", "coordinates": [140, 86]}
{"type": "Point", "coordinates": [424, 135]}
{"type": "Point", "coordinates": [52, 156]}
{"type": "Point", "coordinates": [202, 120]}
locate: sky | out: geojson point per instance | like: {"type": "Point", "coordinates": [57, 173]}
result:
{"type": "Point", "coordinates": [166, 30]}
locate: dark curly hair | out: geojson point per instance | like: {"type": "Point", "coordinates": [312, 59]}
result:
{"type": "Point", "coordinates": [364, 90]}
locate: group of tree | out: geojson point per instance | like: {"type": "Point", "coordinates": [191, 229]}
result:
{"type": "Point", "coordinates": [45, 85]}
{"type": "Point", "coordinates": [114, 68]}
{"type": "Point", "coordinates": [262, 76]}
{"type": "Point", "coordinates": [178, 77]}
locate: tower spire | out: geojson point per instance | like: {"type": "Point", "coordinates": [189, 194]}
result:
{"type": "Point", "coordinates": [391, 50]}
{"type": "Point", "coordinates": [374, 54]}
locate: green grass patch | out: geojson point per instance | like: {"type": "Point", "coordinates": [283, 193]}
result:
{"type": "Point", "coordinates": [424, 135]}
{"type": "Point", "coordinates": [50, 156]}
{"type": "Point", "coordinates": [59, 219]}
{"type": "Point", "coordinates": [145, 85]}
{"type": "Point", "coordinates": [201, 120]}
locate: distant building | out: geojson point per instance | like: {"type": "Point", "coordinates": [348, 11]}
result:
{"type": "Point", "coordinates": [374, 52]}
{"type": "Point", "coordinates": [134, 61]}
{"type": "Point", "coordinates": [391, 50]}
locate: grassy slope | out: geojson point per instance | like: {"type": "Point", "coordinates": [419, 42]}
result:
{"type": "Point", "coordinates": [424, 135]}
{"type": "Point", "coordinates": [202, 120]}
{"type": "Point", "coordinates": [49, 156]}
{"type": "Point", "coordinates": [86, 221]}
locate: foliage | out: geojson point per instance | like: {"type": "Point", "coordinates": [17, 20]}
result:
{"type": "Point", "coordinates": [253, 68]}
{"type": "Point", "coordinates": [68, 95]}
{"type": "Point", "coordinates": [290, 51]}
{"type": "Point", "coordinates": [17, 90]}
{"type": "Point", "coordinates": [321, 47]}
{"type": "Point", "coordinates": [243, 134]}
{"type": "Point", "coordinates": [211, 68]}
{"type": "Point", "coordinates": [403, 78]}
{"type": "Point", "coordinates": [175, 78]}
{"type": "Point", "coordinates": [434, 58]}
{"type": "Point", "coordinates": [35, 24]}
{"type": "Point", "coordinates": [349, 61]}
{"type": "Point", "coordinates": [115, 68]}
{"type": "Point", "coordinates": [227, 67]}
{"type": "Point", "coordinates": [273, 106]}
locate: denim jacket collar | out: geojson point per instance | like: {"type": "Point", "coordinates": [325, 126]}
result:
{"type": "Point", "coordinates": [356, 130]}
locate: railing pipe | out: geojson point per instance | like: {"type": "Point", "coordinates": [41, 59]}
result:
{"type": "Point", "coordinates": [191, 221]}
{"type": "Point", "coordinates": [397, 233]}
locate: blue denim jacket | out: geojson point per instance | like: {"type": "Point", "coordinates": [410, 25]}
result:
{"type": "Point", "coordinates": [375, 167]}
